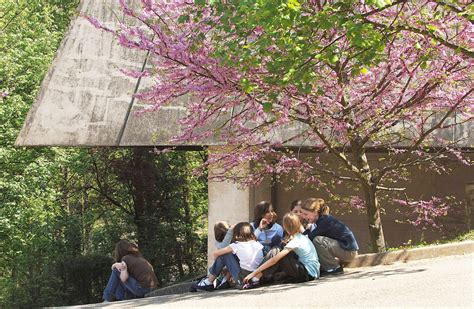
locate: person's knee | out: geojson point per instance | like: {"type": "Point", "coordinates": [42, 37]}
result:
{"type": "Point", "coordinates": [273, 252]}
{"type": "Point", "coordinates": [116, 272]}
{"type": "Point", "coordinates": [319, 241]}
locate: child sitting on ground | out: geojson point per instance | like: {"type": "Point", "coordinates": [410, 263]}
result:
{"type": "Point", "coordinates": [298, 261]}
{"type": "Point", "coordinates": [223, 234]}
{"type": "Point", "coordinates": [249, 253]}
{"type": "Point", "coordinates": [266, 230]}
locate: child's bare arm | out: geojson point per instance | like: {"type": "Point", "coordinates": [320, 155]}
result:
{"type": "Point", "coordinates": [268, 264]}
{"type": "Point", "coordinates": [222, 251]}
{"type": "Point", "coordinates": [124, 272]}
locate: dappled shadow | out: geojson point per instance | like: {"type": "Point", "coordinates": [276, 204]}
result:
{"type": "Point", "coordinates": [274, 289]}
{"type": "Point", "coordinates": [269, 289]}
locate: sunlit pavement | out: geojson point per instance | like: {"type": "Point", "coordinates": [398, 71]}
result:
{"type": "Point", "coordinates": [440, 282]}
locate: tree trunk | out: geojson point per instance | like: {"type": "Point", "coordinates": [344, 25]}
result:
{"type": "Point", "coordinates": [375, 223]}
{"type": "Point", "coordinates": [370, 192]}
{"type": "Point", "coordinates": [141, 179]}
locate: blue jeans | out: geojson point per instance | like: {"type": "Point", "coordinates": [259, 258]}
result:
{"type": "Point", "coordinates": [118, 290]}
{"type": "Point", "coordinates": [228, 260]}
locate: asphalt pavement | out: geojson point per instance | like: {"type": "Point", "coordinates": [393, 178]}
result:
{"type": "Point", "coordinates": [445, 282]}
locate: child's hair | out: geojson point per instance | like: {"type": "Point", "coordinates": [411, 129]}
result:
{"type": "Point", "coordinates": [243, 231]}
{"type": "Point", "coordinates": [291, 224]}
{"type": "Point", "coordinates": [220, 229]}
{"type": "Point", "coordinates": [294, 204]}
{"type": "Point", "coordinates": [316, 205]}
{"type": "Point", "coordinates": [123, 248]}
{"type": "Point", "coordinates": [261, 209]}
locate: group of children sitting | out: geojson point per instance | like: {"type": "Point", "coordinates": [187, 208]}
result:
{"type": "Point", "coordinates": [310, 244]}
{"type": "Point", "coordinates": [263, 251]}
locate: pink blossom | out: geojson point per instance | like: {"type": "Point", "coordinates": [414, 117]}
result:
{"type": "Point", "coordinates": [394, 106]}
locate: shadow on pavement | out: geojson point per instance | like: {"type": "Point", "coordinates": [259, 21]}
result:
{"type": "Point", "coordinates": [270, 288]}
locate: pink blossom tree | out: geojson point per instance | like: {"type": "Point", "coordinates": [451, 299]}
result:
{"type": "Point", "coordinates": [340, 77]}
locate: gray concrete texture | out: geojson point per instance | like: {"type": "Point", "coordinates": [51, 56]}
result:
{"type": "Point", "coordinates": [446, 282]}
{"type": "Point", "coordinates": [86, 101]}
{"type": "Point", "coordinates": [423, 184]}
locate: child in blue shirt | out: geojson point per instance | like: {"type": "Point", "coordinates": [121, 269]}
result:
{"type": "Point", "coordinates": [268, 232]}
{"type": "Point", "coordinates": [298, 260]}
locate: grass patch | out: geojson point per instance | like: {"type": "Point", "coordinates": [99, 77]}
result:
{"type": "Point", "coordinates": [468, 236]}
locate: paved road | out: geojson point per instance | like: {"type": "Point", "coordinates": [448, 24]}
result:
{"type": "Point", "coordinates": [443, 282]}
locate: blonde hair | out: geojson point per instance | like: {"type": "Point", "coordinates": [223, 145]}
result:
{"type": "Point", "coordinates": [291, 224]}
{"type": "Point", "coordinates": [220, 229]}
{"type": "Point", "coordinates": [316, 205]}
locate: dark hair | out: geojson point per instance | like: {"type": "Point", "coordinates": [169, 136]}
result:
{"type": "Point", "coordinates": [123, 248]}
{"type": "Point", "coordinates": [220, 229]}
{"type": "Point", "coordinates": [261, 209]}
{"type": "Point", "coordinates": [316, 205]}
{"type": "Point", "coordinates": [295, 203]}
{"type": "Point", "coordinates": [243, 231]}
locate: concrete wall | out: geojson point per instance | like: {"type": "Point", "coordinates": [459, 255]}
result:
{"type": "Point", "coordinates": [422, 185]}
{"type": "Point", "coordinates": [228, 202]}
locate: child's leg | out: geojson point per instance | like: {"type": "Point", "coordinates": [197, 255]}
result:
{"type": "Point", "coordinates": [114, 289]}
{"type": "Point", "coordinates": [228, 260]}
{"type": "Point", "coordinates": [267, 274]}
{"type": "Point", "coordinates": [135, 289]}
{"type": "Point", "coordinates": [293, 268]}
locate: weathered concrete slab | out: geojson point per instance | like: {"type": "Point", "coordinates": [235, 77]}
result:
{"type": "Point", "coordinates": [86, 101]}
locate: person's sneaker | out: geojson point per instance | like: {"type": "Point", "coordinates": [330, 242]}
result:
{"type": "Point", "coordinates": [336, 271]}
{"type": "Point", "coordinates": [204, 285]}
{"type": "Point", "coordinates": [250, 285]}
{"type": "Point", "coordinates": [223, 285]}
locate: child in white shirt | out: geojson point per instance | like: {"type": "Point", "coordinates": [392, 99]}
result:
{"type": "Point", "coordinates": [249, 253]}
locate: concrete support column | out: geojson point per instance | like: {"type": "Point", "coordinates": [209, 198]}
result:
{"type": "Point", "coordinates": [229, 203]}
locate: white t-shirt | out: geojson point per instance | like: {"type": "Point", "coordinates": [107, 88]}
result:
{"type": "Point", "coordinates": [250, 254]}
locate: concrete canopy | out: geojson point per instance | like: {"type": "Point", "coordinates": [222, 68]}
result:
{"type": "Point", "coordinates": [86, 101]}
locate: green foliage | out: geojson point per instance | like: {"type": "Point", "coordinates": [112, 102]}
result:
{"type": "Point", "coordinates": [253, 31]}
{"type": "Point", "coordinates": [63, 210]}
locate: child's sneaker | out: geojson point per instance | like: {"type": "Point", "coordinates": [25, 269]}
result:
{"type": "Point", "coordinates": [204, 285]}
{"type": "Point", "coordinates": [224, 284]}
{"type": "Point", "coordinates": [250, 285]}
{"type": "Point", "coordinates": [335, 271]}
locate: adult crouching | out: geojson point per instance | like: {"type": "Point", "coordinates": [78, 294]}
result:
{"type": "Point", "coordinates": [334, 241]}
